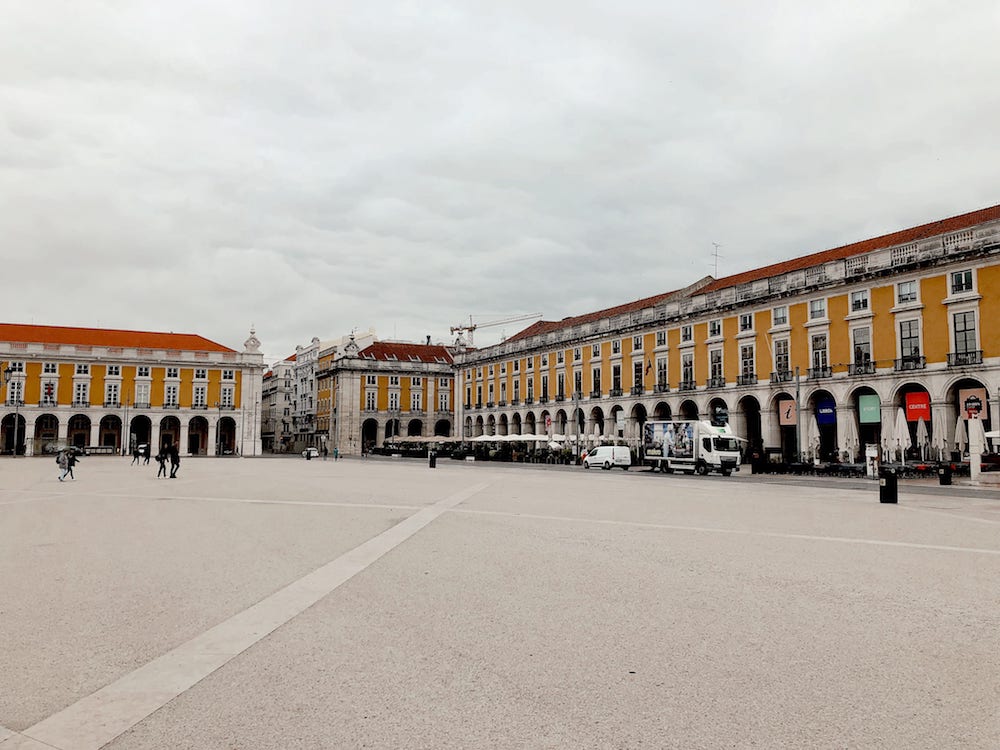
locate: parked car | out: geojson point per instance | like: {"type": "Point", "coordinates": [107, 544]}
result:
{"type": "Point", "coordinates": [607, 456]}
{"type": "Point", "coordinates": [310, 453]}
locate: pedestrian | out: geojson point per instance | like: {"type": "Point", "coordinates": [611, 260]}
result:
{"type": "Point", "coordinates": [175, 461]}
{"type": "Point", "coordinates": [63, 464]}
{"type": "Point", "coordinates": [70, 463]}
{"type": "Point", "coordinates": [161, 459]}
{"type": "Point", "coordinates": [326, 452]}
{"type": "Point", "coordinates": [135, 456]}
{"type": "Point", "coordinates": [336, 453]}
{"type": "Point", "coordinates": [145, 454]}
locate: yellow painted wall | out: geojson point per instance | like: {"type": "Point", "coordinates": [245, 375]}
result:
{"type": "Point", "coordinates": [883, 298]}
{"type": "Point", "coordinates": [839, 341]}
{"type": "Point", "coordinates": [935, 343]}
{"type": "Point", "coordinates": [988, 285]}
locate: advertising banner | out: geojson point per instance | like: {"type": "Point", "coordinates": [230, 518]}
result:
{"type": "Point", "coordinates": [787, 413]}
{"type": "Point", "coordinates": [869, 409]}
{"type": "Point", "coordinates": [918, 405]}
{"type": "Point", "coordinates": [826, 412]}
{"type": "Point", "coordinates": [668, 439]}
{"type": "Point", "coordinates": [973, 401]}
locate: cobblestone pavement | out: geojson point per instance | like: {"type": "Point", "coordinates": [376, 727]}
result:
{"type": "Point", "coordinates": [285, 603]}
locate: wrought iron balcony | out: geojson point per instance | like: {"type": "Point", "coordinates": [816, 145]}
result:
{"type": "Point", "coordinates": [717, 382]}
{"type": "Point", "coordinates": [48, 403]}
{"type": "Point", "coordinates": [911, 363]}
{"type": "Point", "coordinates": [543, 399]}
{"type": "Point", "coordinates": [782, 376]}
{"type": "Point", "coordinates": [637, 390]}
{"type": "Point", "coordinates": [578, 395]}
{"type": "Point", "coordinates": [489, 404]}
{"type": "Point", "coordinates": [560, 397]}
{"type": "Point", "coordinates": [199, 406]}
{"type": "Point", "coordinates": [479, 404]}
{"type": "Point", "coordinates": [596, 393]}
{"type": "Point", "coordinates": [661, 388]}
{"type": "Point", "coordinates": [112, 404]}
{"type": "Point", "coordinates": [616, 392]}
{"type": "Point", "coordinates": [861, 368]}
{"type": "Point", "coordinates": [515, 402]}
{"type": "Point", "coordinates": [816, 373]}
{"type": "Point", "coordinates": [963, 359]}
{"type": "Point", "coordinates": [468, 405]}
{"type": "Point", "coordinates": [746, 380]}
{"type": "Point", "coordinates": [686, 385]}
{"type": "Point", "coordinates": [76, 404]}
{"type": "Point", "coordinates": [140, 405]}
{"type": "Point", "coordinates": [529, 401]}
{"type": "Point", "coordinates": [502, 403]}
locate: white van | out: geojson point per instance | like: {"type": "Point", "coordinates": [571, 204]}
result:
{"type": "Point", "coordinates": [607, 456]}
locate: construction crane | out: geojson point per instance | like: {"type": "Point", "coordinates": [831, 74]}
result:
{"type": "Point", "coordinates": [469, 328]}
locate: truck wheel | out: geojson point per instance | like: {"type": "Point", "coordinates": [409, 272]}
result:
{"type": "Point", "coordinates": [607, 466]}
{"type": "Point", "coordinates": [701, 469]}
{"type": "Point", "coordinates": [726, 472]}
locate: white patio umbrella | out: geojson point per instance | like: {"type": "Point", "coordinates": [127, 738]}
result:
{"type": "Point", "coordinates": [939, 439]}
{"type": "Point", "coordinates": [886, 435]}
{"type": "Point", "coordinates": [847, 431]}
{"type": "Point", "coordinates": [812, 436]}
{"type": "Point", "coordinates": [977, 434]}
{"type": "Point", "coordinates": [902, 435]}
{"type": "Point", "coordinates": [922, 438]}
{"type": "Point", "coordinates": [961, 441]}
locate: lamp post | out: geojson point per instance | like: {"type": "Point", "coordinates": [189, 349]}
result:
{"type": "Point", "coordinates": [126, 432]}
{"type": "Point", "coordinates": [798, 416]}
{"type": "Point", "coordinates": [8, 374]}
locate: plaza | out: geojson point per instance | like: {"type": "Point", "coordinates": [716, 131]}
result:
{"type": "Point", "coordinates": [284, 603]}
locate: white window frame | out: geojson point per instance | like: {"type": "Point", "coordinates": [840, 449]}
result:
{"type": "Point", "coordinates": [50, 368]}
{"type": "Point", "coordinates": [817, 309]}
{"type": "Point", "coordinates": [779, 316]}
{"type": "Point", "coordinates": [915, 299]}
{"type": "Point", "coordinates": [860, 301]}
{"type": "Point", "coordinates": [746, 322]}
{"type": "Point", "coordinates": [715, 328]}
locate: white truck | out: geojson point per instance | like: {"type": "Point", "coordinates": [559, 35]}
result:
{"type": "Point", "coordinates": [692, 446]}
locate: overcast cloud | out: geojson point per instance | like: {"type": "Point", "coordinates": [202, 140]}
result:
{"type": "Point", "coordinates": [311, 167]}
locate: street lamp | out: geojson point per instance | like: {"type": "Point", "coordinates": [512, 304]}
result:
{"type": "Point", "coordinates": [8, 372]}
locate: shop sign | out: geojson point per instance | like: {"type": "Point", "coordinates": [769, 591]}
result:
{"type": "Point", "coordinates": [826, 412]}
{"type": "Point", "coordinates": [869, 409]}
{"type": "Point", "coordinates": [787, 413]}
{"type": "Point", "coordinates": [918, 405]}
{"type": "Point", "coordinates": [973, 401]}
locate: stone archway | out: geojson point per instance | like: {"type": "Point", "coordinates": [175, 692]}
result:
{"type": "Point", "coordinates": [109, 432]}
{"type": "Point", "coordinates": [442, 428]}
{"type": "Point", "coordinates": [516, 425]}
{"type": "Point", "coordinates": [502, 425]}
{"type": "Point", "coordinates": [225, 437]}
{"type": "Point", "coordinates": [821, 406]}
{"type": "Point", "coordinates": [662, 411]}
{"type": "Point", "coordinates": [198, 436]}
{"type": "Point", "coordinates": [747, 422]}
{"type": "Point", "coordinates": [14, 428]}
{"type": "Point", "coordinates": [78, 432]}
{"type": "Point", "coordinates": [637, 418]}
{"type": "Point", "coordinates": [688, 409]}
{"type": "Point", "coordinates": [369, 435]}
{"type": "Point", "coordinates": [391, 430]}
{"type": "Point", "coordinates": [140, 432]}
{"type": "Point", "coordinates": [46, 434]}
{"type": "Point", "coordinates": [415, 428]}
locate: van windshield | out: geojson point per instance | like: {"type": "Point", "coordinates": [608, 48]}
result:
{"type": "Point", "coordinates": [727, 444]}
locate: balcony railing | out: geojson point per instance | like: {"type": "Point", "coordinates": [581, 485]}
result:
{"type": "Point", "coordinates": [596, 393]}
{"type": "Point", "coordinates": [717, 382]}
{"type": "Point", "coordinates": [560, 397]}
{"type": "Point", "coordinates": [861, 368]}
{"type": "Point", "coordinates": [578, 395]}
{"type": "Point", "coordinates": [904, 364]}
{"type": "Point", "coordinates": [468, 405]}
{"type": "Point", "coordinates": [48, 403]}
{"type": "Point", "coordinates": [616, 392]}
{"type": "Point", "coordinates": [479, 404]}
{"type": "Point", "coordinates": [637, 390]}
{"type": "Point", "coordinates": [782, 376]}
{"type": "Point", "coordinates": [112, 404]}
{"type": "Point", "coordinates": [963, 359]}
{"type": "Point", "coordinates": [502, 403]}
{"type": "Point", "coordinates": [529, 401]}
{"type": "Point", "coordinates": [80, 404]}
{"type": "Point", "coordinates": [515, 402]}
{"type": "Point", "coordinates": [686, 385]}
{"type": "Point", "coordinates": [489, 404]}
{"type": "Point", "coordinates": [543, 399]}
{"type": "Point", "coordinates": [816, 373]}
{"type": "Point", "coordinates": [661, 388]}
{"type": "Point", "coordinates": [140, 405]}
{"type": "Point", "coordinates": [746, 380]}
{"type": "Point", "coordinates": [199, 406]}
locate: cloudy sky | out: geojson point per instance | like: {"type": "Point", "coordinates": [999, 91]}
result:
{"type": "Point", "coordinates": [315, 166]}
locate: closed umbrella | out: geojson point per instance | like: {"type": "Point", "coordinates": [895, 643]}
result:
{"type": "Point", "coordinates": [977, 435]}
{"type": "Point", "coordinates": [961, 441]}
{"type": "Point", "coordinates": [939, 440]}
{"type": "Point", "coordinates": [902, 436]}
{"type": "Point", "coordinates": [812, 436]}
{"type": "Point", "coordinates": [922, 438]}
{"type": "Point", "coordinates": [847, 431]}
{"type": "Point", "coordinates": [886, 437]}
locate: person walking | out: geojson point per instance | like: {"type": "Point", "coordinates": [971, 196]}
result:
{"type": "Point", "coordinates": [336, 453]}
{"type": "Point", "coordinates": [61, 459]}
{"type": "Point", "coordinates": [70, 461]}
{"type": "Point", "coordinates": [175, 461]}
{"type": "Point", "coordinates": [135, 456]}
{"type": "Point", "coordinates": [161, 459]}
{"type": "Point", "coordinates": [145, 454]}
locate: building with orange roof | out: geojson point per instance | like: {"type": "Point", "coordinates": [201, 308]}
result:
{"type": "Point", "coordinates": [108, 391]}
{"type": "Point", "coordinates": [814, 357]}
{"type": "Point", "coordinates": [385, 391]}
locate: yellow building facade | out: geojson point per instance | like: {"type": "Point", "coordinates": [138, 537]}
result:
{"type": "Point", "coordinates": [109, 391]}
{"type": "Point", "coordinates": [819, 355]}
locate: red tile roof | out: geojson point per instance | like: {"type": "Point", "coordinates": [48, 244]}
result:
{"type": "Point", "coordinates": [391, 351]}
{"type": "Point", "coordinates": [34, 334]}
{"type": "Point", "coordinates": [902, 237]}
{"type": "Point", "coordinates": [547, 326]}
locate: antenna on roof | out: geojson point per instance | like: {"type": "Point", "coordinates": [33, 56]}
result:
{"type": "Point", "coordinates": [716, 255]}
